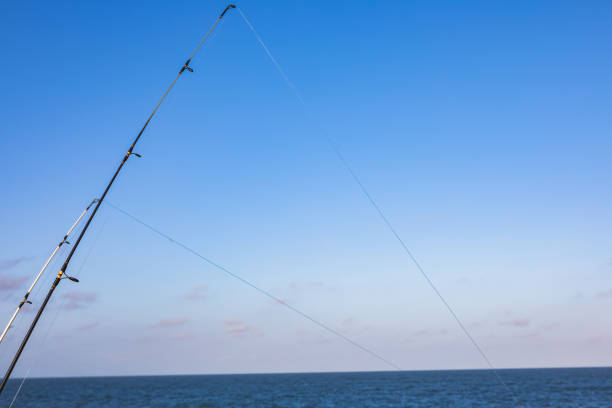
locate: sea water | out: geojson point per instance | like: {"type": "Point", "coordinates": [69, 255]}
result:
{"type": "Point", "coordinates": [536, 388]}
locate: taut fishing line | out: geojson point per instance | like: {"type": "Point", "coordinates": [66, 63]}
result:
{"type": "Point", "coordinates": [62, 273]}
{"type": "Point", "coordinates": [34, 290]}
{"type": "Point", "coordinates": [20, 319]}
{"type": "Point", "coordinates": [25, 300]}
{"type": "Point", "coordinates": [257, 288]}
{"type": "Point", "coordinates": [370, 198]}
{"type": "Point", "coordinates": [45, 280]}
{"type": "Point", "coordinates": [57, 312]}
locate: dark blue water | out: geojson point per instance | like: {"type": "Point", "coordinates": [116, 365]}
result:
{"type": "Point", "coordinates": [571, 387]}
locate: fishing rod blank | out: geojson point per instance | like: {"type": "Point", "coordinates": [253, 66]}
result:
{"type": "Point", "coordinates": [129, 153]}
{"type": "Point", "coordinates": [25, 297]}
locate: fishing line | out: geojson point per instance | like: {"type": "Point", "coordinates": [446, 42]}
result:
{"type": "Point", "coordinates": [373, 202]}
{"type": "Point", "coordinates": [34, 295]}
{"type": "Point", "coordinates": [62, 273]}
{"type": "Point", "coordinates": [19, 388]}
{"type": "Point", "coordinates": [257, 288]}
{"type": "Point", "coordinates": [34, 298]}
{"type": "Point", "coordinates": [57, 312]}
{"type": "Point", "coordinates": [276, 64]}
{"type": "Point", "coordinates": [44, 268]}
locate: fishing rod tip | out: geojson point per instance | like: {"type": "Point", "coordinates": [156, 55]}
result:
{"type": "Point", "coordinates": [230, 6]}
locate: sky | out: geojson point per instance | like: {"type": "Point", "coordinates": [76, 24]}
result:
{"type": "Point", "coordinates": [481, 129]}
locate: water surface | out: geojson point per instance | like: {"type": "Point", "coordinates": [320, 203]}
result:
{"type": "Point", "coordinates": [535, 388]}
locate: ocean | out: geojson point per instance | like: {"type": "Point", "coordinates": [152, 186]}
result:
{"type": "Point", "coordinates": [535, 388]}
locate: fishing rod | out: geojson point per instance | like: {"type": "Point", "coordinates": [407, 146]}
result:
{"type": "Point", "coordinates": [57, 248]}
{"type": "Point", "coordinates": [129, 153]}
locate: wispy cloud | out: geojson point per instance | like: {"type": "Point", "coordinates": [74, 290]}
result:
{"type": "Point", "coordinates": [605, 294]}
{"type": "Point", "coordinates": [88, 326]}
{"type": "Point", "coordinates": [429, 332]}
{"type": "Point", "coordinates": [476, 325]}
{"type": "Point", "coordinates": [295, 289]}
{"type": "Point", "coordinates": [197, 293]}
{"type": "Point", "coordinates": [527, 335]}
{"type": "Point", "coordinates": [181, 336]}
{"type": "Point", "coordinates": [166, 323]}
{"type": "Point", "coordinates": [11, 262]}
{"type": "Point", "coordinates": [577, 296]}
{"type": "Point", "coordinates": [302, 333]}
{"type": "Point", "coordinates": [78, 299]}
{"type": "Point", "coordinates": [549, 326]}
{"type": "Point", "coordinates": [323, 340]}
{"type": "Point", "coordinates": [237, 328]}
{"type": "Point", "coordinates": [463, 281]}
{"type": "Point", "coordinates": [354, 326]}
{"type": "Point", "coordinates": [520, 323]}
{"type": "Point", "coordinates": [8, 283]}
{"type": "Point", "coordinates": [600, 339]}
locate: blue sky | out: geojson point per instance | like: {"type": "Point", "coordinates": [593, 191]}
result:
{"type": "Point", "coordinates": [482, 130]}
